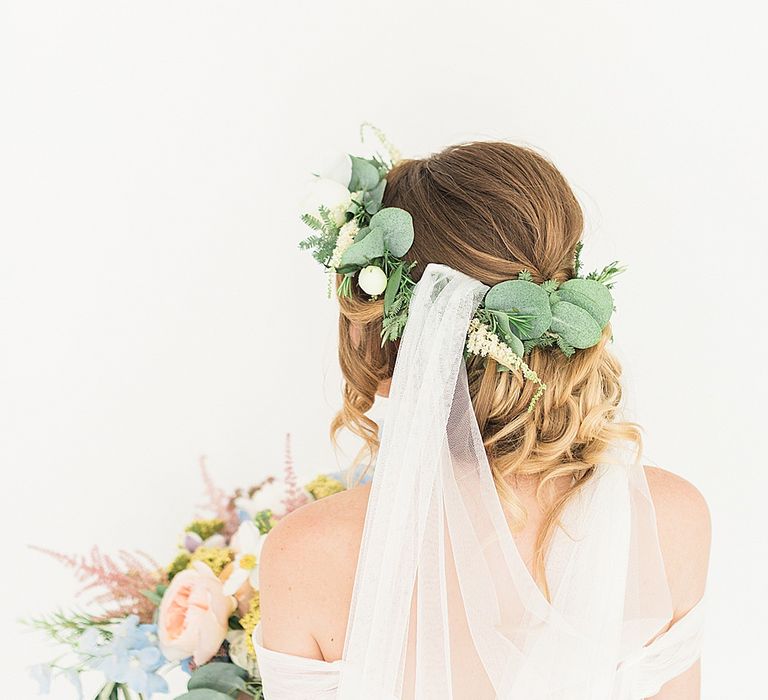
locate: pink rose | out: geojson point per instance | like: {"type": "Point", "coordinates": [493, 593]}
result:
{"type": "Point", "coordinates": [193, 616]}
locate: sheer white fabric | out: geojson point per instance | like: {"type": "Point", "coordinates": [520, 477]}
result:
{"type": "Point", "coordinates": [443, 605]}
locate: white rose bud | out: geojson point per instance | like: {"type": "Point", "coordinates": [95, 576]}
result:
{"type": "Point", "coordinates": [372, 280]}
{"type": "Point", "coordinates": [332, 195]}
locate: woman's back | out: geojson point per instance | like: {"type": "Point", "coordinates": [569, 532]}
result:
{"type": "Point", "coordinates": [309, 562]}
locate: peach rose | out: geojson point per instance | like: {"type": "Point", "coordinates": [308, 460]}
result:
{"type": "Point", "coordinates": [193, 615]}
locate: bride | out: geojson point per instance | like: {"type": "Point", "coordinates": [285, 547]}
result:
{"type": "Point", "coordinates": [511, 543]}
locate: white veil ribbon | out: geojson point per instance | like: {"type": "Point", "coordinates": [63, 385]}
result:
{"type": "Point", "coordinates": [443, 605]}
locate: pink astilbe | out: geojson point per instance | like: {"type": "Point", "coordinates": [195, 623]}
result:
{"type": "Point", "coordinates": [117, 584]}
{"type": "Point", "coordinates": [219, 502]}
{"type": "Point", "coordinates": [295, 496]}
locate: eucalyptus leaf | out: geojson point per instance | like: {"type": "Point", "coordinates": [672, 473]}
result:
{"type": "Point", "coordinates": [205, 694]}
{"type": "Point", "coordinates": [372, 200]}
{"type": "Point", "coordinates": [575, 325]}
{"type": "Point", "coordinates": [360, 253]}
{"type": "Point", "coordinates": [365, 175]}
{"type": "Point", "coordinates": [393, 284]}
{"type": "Point", "coordinates": [218, 675]}
{"type": "Point", "coordinates": [592, 296]}
{"type": "Point", "coordinates": [515, 344]}
{"type": "Point", "coordinates": [521, 296]}
{"type": "Point", "coordinates": [362, 233]}
{"type": "Point", "coordinates": [397, 226]}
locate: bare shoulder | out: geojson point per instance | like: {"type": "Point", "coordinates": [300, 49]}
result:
{"type": "Point", "coordinates": [685, 534]}
{"type": "Point", "coordinates": [320, 528]}
{"type": "Point", "coordinates": [306, 574]}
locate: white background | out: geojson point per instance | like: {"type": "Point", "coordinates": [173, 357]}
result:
{"type": "Point", "coordinates": [155, 307]}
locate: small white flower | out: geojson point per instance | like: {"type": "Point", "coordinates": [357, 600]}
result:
{"type": "Point", "coordinates": [372, 280]}
{"type": "Point", "coordinates": [327, 193]}
{"type": "Point", "coordinates": [247, 542]}
{"type": "Point", "coordinates": [268, 497]}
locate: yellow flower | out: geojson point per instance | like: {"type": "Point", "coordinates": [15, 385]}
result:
{"type": "Point", "coordinates": [215, 557]}
{"type": "Point", "coordinates": [181, 562]}
{"type": "Point", "coordinates": [324, 486]}
{"type": "Point", "coordinates": [206, 528]}
{"type": "Point", "coordinates": [249, 621]}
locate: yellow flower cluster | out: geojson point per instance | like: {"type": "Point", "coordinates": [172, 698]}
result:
{"type": "Point", "coordinates": [181, 562]}
{"type": "Point", "coordinates": [481, 341]}
{"type": "Point", "coordinates": [323, 486]}
{"type": "Point", "coordinates": [249, 621]}
{"type": "Point", "coordinates": [206, 528]}
{"type": "Point", "coordinates": [216, 557]}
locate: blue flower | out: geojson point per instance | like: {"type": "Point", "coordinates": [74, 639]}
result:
{"type": "Point", "coordinates": [127, 634]}
{"type": "Point", "coordinates": [137, 669]}
{"type": "Point", "coordinates": [129, 655]}
{"type": "Point", "coordinates": [73, 676]}
{"type": "Point", "coordinates": [42, 674]}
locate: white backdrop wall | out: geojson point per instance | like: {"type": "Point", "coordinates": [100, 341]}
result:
{"type": "Point", "coordinates": [155, 307]}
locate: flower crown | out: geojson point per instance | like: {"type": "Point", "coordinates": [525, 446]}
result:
{"type": "Point", "coordinates": [354, 236]}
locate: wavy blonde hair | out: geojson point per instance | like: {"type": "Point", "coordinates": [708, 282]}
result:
{"type": "Point", "coordinates": [491, 210]}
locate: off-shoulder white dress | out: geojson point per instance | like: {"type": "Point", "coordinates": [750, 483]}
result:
{"type": "Point", "coordinates": [640, 669]}
{"type": "Point", "coordinates": [640, 674]}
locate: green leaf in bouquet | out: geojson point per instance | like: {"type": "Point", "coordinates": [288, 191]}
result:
{"type": "Point", "coordinates": [108, 692]}
{"type": "Point", "coordinates": [219, 676]}
{"type": "Point", "coordinates": [205, 694]}
{"type": "Point", "coordinates": [397, 227]}
{"type": "Point", "coordinates": [365, 175]}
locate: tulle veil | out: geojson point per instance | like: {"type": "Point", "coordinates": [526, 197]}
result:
{"type": "Point", "coordinates": [443, 605]}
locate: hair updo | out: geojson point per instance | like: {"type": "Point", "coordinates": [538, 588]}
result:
{"type": "Point", "coordinates": [491, 210]}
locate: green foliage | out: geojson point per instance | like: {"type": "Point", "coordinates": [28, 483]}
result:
{"type": "Point", "coordinates": [607, 274]}
{"type": "Point", "coordinates": [550, 286]}
{"type": "Point", "coordinates": [155, 596]}
{"type": "Point", "coordinates": [365, 174]}
{"type": "Point", "coordinates": [543, 341]}
{"type": "Point", "coordinates": [322, 243]}
{"type": "Point", "coordinates": [397, 298]}
{"type": "Point", "coordinates": [566, 348]}
{"type": "Point", "coordinates": [313, 222]}
{"type": "Point", "coordinates": [522, 297]}
{"type": "Point", "coordinates": [574, 325]}
{"type": "Point", "coordinates": [363, 252]}
{"type": "Point", "coordinates": [592, 296]}
{"type": "Point", "coordinates": [66, 628]}
{"type": "Point", "coordinates": [205, 694]}
{"type": "Point", "coordinates": [220, 677]}
{"type": "Point", "coordinates": [523, 314]}
{"type": "Point", "coordinates": [264, 520]}
{"type": "Point", "coordinates": [577, 259]}
{"type": "Point", "coordinates": [396, 226]}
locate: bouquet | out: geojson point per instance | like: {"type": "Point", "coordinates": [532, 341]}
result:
{"type": "Point", "coordinates": [197, 612]}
